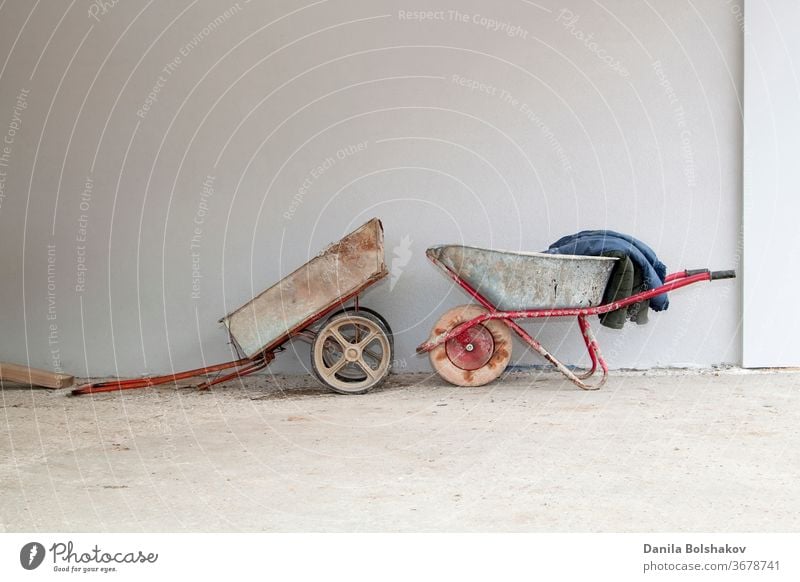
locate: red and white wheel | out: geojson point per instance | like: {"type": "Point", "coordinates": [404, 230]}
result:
{"type": "Point", "coordinates": [477, 356]}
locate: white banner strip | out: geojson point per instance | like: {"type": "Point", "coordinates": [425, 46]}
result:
{"type": "Point", "coordinates": [379, 557]}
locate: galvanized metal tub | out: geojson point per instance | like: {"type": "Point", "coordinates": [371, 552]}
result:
{"type": "Point", "coordinates": [517, 281]}
{"type": "Point", "coordinates": [337, 274]}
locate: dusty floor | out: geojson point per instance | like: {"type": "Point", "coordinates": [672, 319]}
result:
{"type": "Point", "coordinates": [664, 452]}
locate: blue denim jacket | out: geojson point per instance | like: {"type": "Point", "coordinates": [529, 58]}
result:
{"type": "Point", "coordinates": [596, 242]}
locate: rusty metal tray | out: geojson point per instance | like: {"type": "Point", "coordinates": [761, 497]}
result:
{"type": "Point", "coordinates": [330, 279]}
{"type": "Point", "coordinates": [514, 281]}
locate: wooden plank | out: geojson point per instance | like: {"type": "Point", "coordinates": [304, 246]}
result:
{"type": "Point", "coordinates": [26, 375]}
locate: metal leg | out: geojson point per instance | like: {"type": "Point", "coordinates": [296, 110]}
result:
{"type": "Point", "coordinates": [591, 345]}
{"type": "Point", "coordinates": [584, 325]}
{"type": "Point", "coordinates": [594, 352]}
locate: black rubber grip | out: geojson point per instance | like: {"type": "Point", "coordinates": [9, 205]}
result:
{"type": "Point", "coordinates": [723, 275]}
{"type": "Point", "coordinates": [690, 272]}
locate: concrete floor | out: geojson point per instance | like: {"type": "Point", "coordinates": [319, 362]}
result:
{"type": "Point", "coordinates": [710, 451]}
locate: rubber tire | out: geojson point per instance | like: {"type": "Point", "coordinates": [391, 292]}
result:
{"type": "Point", "coordinates": [315, 347]}
{"type": "Point", "coordinates": [490, 371]}
{"type": "Point", "coordinates": [374, 316]}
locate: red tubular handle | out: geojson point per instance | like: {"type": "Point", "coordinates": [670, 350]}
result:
{"type": "Point", "coordinates": [712, 275]}
{"type": "Point", "coordinates": [132, 383]}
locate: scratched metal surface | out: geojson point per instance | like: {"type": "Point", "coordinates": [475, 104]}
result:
{"type": "Point", "coordinates": [519, 281]}
{"type": "Point", "coordinates": [337, 272]}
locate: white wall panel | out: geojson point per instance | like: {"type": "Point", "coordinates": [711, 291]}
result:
{"type": "Point", "coordinates": [771, 319]}
{"type": "Point", "coordinates": [499, 123]}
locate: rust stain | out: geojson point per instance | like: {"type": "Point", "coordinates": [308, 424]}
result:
{"type": "Point", "coordinates": [339, 271]}
{"type": "Point", "coordinates": [512, 280]}
{"type": "Point", "coordinates": [468, 375]}
{"type": "Point", "coordinates": [439, 331]}
{"type": "Point", "coordinates": [500, 354]}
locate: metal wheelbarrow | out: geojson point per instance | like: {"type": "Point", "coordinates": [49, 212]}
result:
{"type": "Point", "coordinates": [470, 345]}
{"type": "Point", "coordinates": [352, 347]}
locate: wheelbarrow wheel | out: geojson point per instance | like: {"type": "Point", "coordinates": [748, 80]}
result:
{"type": "Point", "coordinates": [331, 350]}
{"type": "Point", "coordinates": [352, 352]}
{"type": "Point", "coordinates": [372, 314]}
{"type": "Point", "coordinates": [476, 357]}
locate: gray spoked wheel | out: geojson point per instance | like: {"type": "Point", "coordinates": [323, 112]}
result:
{"type": "Point", "coordinates": [352, 353]}
{"type": "Point", "coordinates": [332, 350]}
{"type": "Point", "coordinates": [372, 314]}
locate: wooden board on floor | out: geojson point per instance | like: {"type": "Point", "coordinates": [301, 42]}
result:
{"type": "Point", "coordinates": [26, 375]}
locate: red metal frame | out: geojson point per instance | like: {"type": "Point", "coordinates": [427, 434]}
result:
{"type": "Point", "coordinates": [672, 282]}
{"type": "Point", "coordinates": [244, 366]}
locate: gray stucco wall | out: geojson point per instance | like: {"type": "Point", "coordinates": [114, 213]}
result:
{"type": "Point", "coordinates": [169, 160]}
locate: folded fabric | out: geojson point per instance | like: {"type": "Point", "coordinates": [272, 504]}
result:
{"type": "Point", "coordinates": [626, 280]}
{"type": "Point", "coordinates": [598, 242]}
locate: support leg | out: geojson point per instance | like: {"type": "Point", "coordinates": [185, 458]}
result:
{"type": "Point", "coordinates": [594, 351]}
{"type": "Point", "coordinates": [540, 349]}
{"type": "Point", "coordinates": [584, 325]}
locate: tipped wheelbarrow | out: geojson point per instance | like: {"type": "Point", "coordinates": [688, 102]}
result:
{"type": "Point", "coordinates": [470, 345]}
{"type": "Point", "coordinates": [351, 347]}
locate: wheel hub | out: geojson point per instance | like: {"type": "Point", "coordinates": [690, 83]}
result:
{"type": "Point", "coordinates": [472, 349]}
